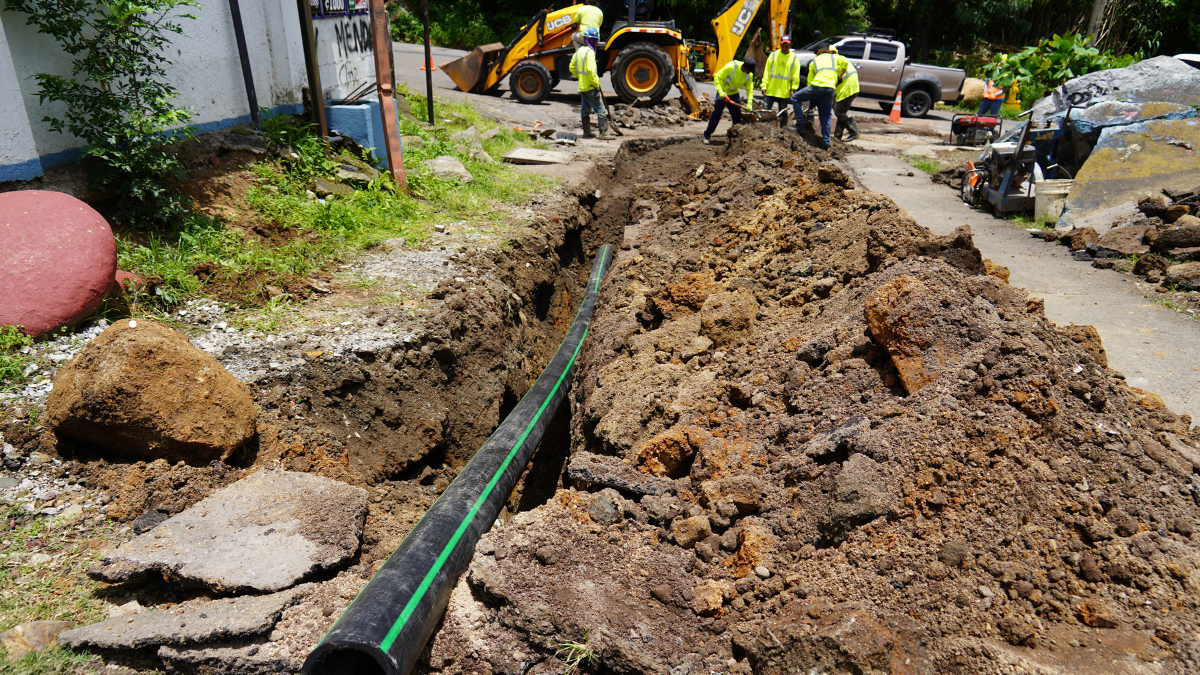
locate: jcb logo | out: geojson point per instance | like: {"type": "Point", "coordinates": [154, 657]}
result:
{"type": "Point", "coordinates": [561, 21]}
{"type": "Point", "coordinates": [749, 7]}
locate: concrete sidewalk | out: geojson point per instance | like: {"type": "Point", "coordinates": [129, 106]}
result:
{"type": "Point", "coordinates": [1156, 348]}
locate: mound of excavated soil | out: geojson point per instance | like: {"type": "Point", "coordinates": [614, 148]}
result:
{"type": "Point", "coordinates": [883, 460]}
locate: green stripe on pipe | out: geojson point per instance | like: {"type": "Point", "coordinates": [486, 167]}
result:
{"type": "Point", "coordinates": [409, 608]}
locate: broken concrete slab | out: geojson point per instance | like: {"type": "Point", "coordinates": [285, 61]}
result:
{"type": "Point", "coordinates": [1161, 78]}
{"type": "Point", "coordinates": [191, 622]}
{"type": "Point", "coordinates": [1130, 162]}
{"type": "Point", "coordinates": [532, 156]}
{"type": "Point", "coordinates": [230, 658]}
{"type": "Point", "coordinates": [605, 471]}
{"type": "Point", "coordinates": [263, 533]}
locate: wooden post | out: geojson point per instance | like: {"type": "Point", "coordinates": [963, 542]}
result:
{"type": "Point", "coordinates": [309, 42]}
{"type": "Point", "coordinates": [387, 103]}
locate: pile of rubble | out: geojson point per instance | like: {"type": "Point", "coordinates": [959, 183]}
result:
{"type": "Point", "coordinates": [810, 436]}
{"type": "Point", "coordinates": [664, 114]}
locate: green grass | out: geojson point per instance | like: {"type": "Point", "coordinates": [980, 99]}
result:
{"type": "Point", "coordinates": [12, 361]}
{"type": "Point", "coordinates": [318, 233]}
{"type": "Point", "coordinates": [58, 590]}
{"type": "Point", "coordinates": [1026, 221]}
{"type": "Point", "coordinates": [926, 165]}
{"type": "Point", "coordinates": [1008, 112]}
{"type": "Point", "coordinates": [575, 654]}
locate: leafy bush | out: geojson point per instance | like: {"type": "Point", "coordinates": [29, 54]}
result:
{"type": "Point", "coordinates": [460, 25]}
{"type": "Point", "coordinates": [118, 99]}
{"type": "Point", "coordinates": [1040, 68]}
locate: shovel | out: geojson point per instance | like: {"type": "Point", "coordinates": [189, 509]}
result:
{"type": "Point", "coordinates": [608, 114]}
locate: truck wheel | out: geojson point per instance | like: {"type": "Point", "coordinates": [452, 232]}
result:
{"type": "Point", "coordinates": [529, 82]}
{"type": "Point", "coordinates": [642, 70]}
{"type": "Point", "coordinates": [916, 103]}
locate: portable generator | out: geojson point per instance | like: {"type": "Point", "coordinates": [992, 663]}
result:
{"type": "Point", "coordinates": [969, 129]}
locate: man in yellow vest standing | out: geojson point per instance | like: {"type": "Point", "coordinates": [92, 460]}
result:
{"type": "Point", "coordinates": [583, 67]}
{"type": "Point", "coordinates": [822, 79]}
{"type": "Point", "coordinates": [589, 16]}
{"type": "Point", "coordinates": [845, 93]}
{"type": "Point", "coordinates": [781, 78]}
{"type": "Point", "coordinates": [728, 80]}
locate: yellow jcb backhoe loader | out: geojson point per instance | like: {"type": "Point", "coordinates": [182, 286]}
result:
{"type": "Point", "coordinates": [644, 53]}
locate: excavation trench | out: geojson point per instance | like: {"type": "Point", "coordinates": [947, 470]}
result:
{"type": "Point", "coordinates": [808, 435]}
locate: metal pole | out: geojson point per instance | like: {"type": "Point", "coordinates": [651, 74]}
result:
{"type": "Point", "coordinates": [308, 40]}
{"type": "Point", "coordinates": [239, 34]}
{"type": "Point", "coordinates": [428, 63]}
{"type": "Point", "coordinates": [247, 75]}
{"type": "Point", "coordinates": [382, 42]}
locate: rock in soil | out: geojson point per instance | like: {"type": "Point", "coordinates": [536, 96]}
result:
{"type": "Point", "coordinates": [191, 622]}
{"type": "Point", "coordinates": [30, 637]}
{"type": "Point", "coordinates": [142, 391]}
{"type": "Point", "coordinates": [1020, 464]}
{"type": "Point", "coordinates": [263, 533]}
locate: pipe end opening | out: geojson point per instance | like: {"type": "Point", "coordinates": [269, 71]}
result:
{"type": "Point", "coordinates": [345, 662]}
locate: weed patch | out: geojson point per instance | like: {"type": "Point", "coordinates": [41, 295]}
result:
{"type": "Point", "coordinates": [14, 358]}
{"type": "Point", "coordinates": [208, 255]}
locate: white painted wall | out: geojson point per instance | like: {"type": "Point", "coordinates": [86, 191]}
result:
{"type": "Point", "coordinates": [205, 69]}
{"type": "Point", "coordinates": [18, 155]}
{"type": "Point", "coordinates": [345, 53]}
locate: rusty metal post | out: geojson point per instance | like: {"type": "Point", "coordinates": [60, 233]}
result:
{"type": "Point", "coordinates": [308, 39]}
{"type": "Point", "coordinates": [382, 40]}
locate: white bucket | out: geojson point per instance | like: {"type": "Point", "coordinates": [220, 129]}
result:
{"type": "Point", "coordinates": [1049, 198]}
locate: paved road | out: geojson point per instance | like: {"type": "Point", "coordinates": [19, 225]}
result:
{"type": "Point", "coordinates": [1156, 348]}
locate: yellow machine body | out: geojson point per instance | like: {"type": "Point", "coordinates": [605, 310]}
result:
{"type": "Point", "coordinates": [734, 20]}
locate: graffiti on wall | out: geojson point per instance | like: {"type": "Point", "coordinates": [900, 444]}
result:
{"type": "Point", "coordinates": [344, 50]}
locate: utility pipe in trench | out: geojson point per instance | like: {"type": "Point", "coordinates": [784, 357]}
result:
{"type": "Point", "coordinates": [386, 627]}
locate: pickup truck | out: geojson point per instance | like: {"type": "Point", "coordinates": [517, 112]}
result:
{"type": "Point", "coordinates": [883, 69]}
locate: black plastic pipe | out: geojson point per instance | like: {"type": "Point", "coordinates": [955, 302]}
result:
{"type": "Point", "coordinates": [386, 627]}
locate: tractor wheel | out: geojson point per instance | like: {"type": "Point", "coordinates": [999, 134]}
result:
{"type": "Point", "coordinates": [642, 70]}
{"type": "Point", "coordinates": [529, 82]}
{"type": "Point", "coordinates": [916, 103]}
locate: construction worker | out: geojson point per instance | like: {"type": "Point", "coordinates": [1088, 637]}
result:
{"type": "Point", "coordinates": [728, 80]}
{"type": "Point", "coordinates": [781, 77]}
{"type": "Point", "coordinates": [845, 93]}
{"type": "Point", "coordinates": [822, 79]}
{"type": "Point", "coordinates": [583, 67]}
{"type": "Point", "coordinates": [589, 16]}
{"type": "Point", "coordinates": [993, 98]}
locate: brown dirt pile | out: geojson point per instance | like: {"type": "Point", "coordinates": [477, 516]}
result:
{"type": "Point", "coordinates": [884, 460]}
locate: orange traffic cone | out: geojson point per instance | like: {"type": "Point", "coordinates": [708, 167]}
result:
{"type": "Point", "coordinates": [894, 118]}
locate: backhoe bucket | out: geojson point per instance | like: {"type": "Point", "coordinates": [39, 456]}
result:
{"type": "Point", "coordinates": [468, 72]}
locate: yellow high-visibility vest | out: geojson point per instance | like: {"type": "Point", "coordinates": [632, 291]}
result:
{"type": "Point", "coordinates": [782, 75]}
{"type": "Point", "coordinates": [823, 71]}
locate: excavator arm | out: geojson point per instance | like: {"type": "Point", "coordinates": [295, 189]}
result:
{"type": "Point", "coordinates": [734, 19]}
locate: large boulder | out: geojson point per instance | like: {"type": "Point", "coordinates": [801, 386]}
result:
{"type": "Point", "coordinates": [972, 91]}
{"type": "Point", "coordinates": [142, 391]}
{"type": "Point", "coordinates": [264, 533]}
{"type": "Point", "coordinates": [1088, 124]}
{"type": "Point", "coordinates": [1128, 163]}
{"type": "Point", "coordinates": [1161, 78]}
{"type": "Point", "coordinates": [57, 260]}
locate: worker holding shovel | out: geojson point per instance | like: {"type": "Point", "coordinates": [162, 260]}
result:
{"type": "Point", "coordinates": [583, 67]}
{"type": "Point", "coordinates": [728, 80]}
